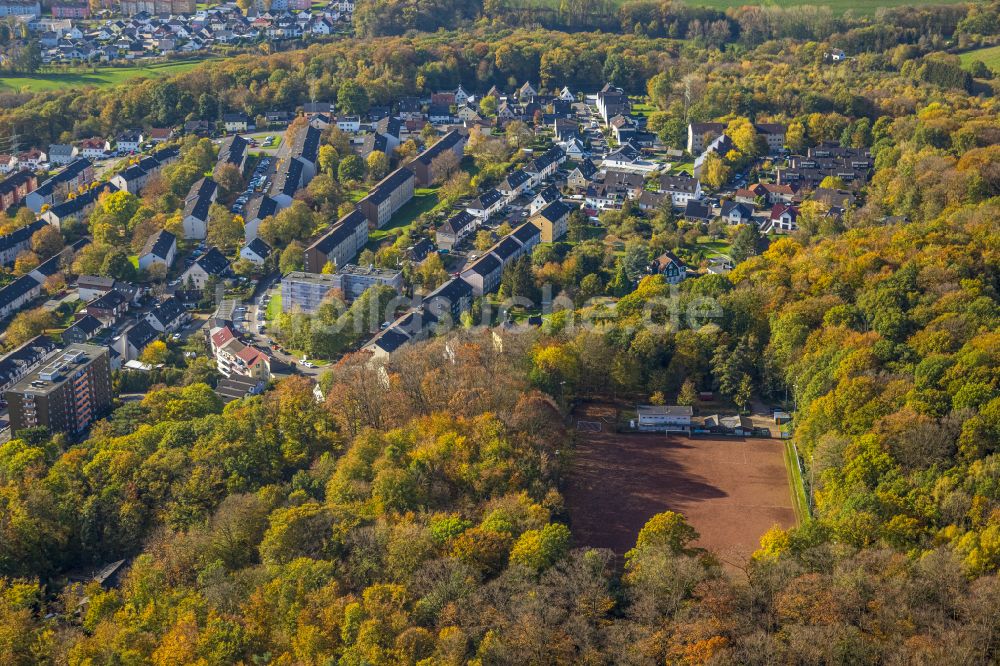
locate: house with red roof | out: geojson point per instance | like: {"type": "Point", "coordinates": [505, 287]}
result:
{"type": "Point", "coordinates": [783, 218]}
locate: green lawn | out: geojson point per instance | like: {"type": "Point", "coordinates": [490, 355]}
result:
{"type": "Point", "coordinates": [642, 109]}
{"type": "Point", "coordinates": [800, 501]}
{"type": "Point", "coordinates": [424, 200]}
{"type": "Point", "coordinates": [99, 76]}
{"type": "Point", "coordinates": [989, 55]}
{"type": "Point", "coordinates": [714, 246]}
{"type": "Point", "coordinates": [273, 307]}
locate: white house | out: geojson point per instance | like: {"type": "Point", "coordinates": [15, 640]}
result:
{"type": "Point", "coordinates": [200, 198]}
{"type": "Point", "coordinates": [256, 251]}
{"type": "Point", "coordinates": [160, 248]}
{"type": "Point", "coordinates": [129, 142]}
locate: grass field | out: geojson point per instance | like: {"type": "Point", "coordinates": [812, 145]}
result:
{"type": "Point", "coordinates": [989, 55]}
{"type": "Point", "coordinates": [100, 76]}
{"type": "Point", "coordinates": [273, 307]}
{"type": "Point", "coordinates": [800, 500]}
{"type": "Point", "coordinates": [424, 199]}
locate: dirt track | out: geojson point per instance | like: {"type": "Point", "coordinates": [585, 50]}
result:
{"type": "Point", "coordinates": [731, 490]}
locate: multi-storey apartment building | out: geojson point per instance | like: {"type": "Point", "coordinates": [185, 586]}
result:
{"type": "Point", "coordinates": [66, 393]}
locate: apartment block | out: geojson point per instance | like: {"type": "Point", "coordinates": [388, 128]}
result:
{"type": "Point", "coordinates": [66, 393]}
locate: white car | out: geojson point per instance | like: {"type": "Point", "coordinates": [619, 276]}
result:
{"type": "Point", "coordinates": [308, 364]}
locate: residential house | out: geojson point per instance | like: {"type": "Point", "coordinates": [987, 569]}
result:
{"type": "Point", "coordinates": [736, 212]}
{"type": "Point", "coordinates": [349, 124]}
{"type": "Point", "coordinates": [581, 176]}
{"type": "Point", "coordinates": [55, 189]}
{"type": "Point", "coordinates": [552, 221]}
{"type": "Point", "coordinates": [783, 219]}
{"type": "Point", "coordinates": [682, 188]}
{"type": "Point", "coordinates": [94, 149]}
{"type": "Point", "coordinates": [456, 228]}
{"type": "Point", "coordinates": [131, 343]}
{"type": "Point", "coordinates": [546, 196]}
{"type": "Point", "coordinates": [19, 362]}
{"type": "Point", "coordinates": [61, 154]}
{"type": "Point", "coordinates": [14, 188]}
{"type": "Point", "coordinates": [698, 211]}
{"type": "Point", "coordinates": [484, 274]}
{"type": "Point", "coordinates": [702, 134]}
{"type": "Point", "coordinates": [108, 307]}
{"type": "Point", "coordinates": [129, 142]}
{"type": "Point", "coordinates": [653, 201]}
{"type": "Point", "coordinates": [233, 150]}
{"type": "Point", "coordinates": [17, 241]}
{"type": "Point", "coordinates": [256, 251]}
{"type": "Point", "coordinates": [544, 165]}
{"type": "Point", "coordinates": [212, 264]}
{"type": "Point", "coordinates": [514, 184]}
{"type": "Point", "coordinates": [14, 295]}
{"type": "Point", "coordinates": [131, 180]}
{"type": "Point", "coordinates": [259, 206]}
{"type": "Point", "coordinates": [236, 122]}
{"type": "Point", "coordinates": [159, 134]}
{"type": "Point", "coordinates": [168, 315]}
{"type": "Point", "coordinates": [486, 204]}
{"type": "Point", "coordinates": [670, 267]}
{"type": "Point", "coordinates": [90, 287]}
{"type": "Point", "coordinates": [287, 181]}
{"type": "Point", "coordinates": [420, 250]}
{"type": "Point", "coordinates": [611, 102]}
{"type": "Point", "coordinates": [82, 330]}
{"type": "Point", "coordinates": [160, 248]}
{"type": "Point", "coordinates": [200, 198]}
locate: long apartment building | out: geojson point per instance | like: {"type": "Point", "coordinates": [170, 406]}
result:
{"type": "Point", "coordinates": [484, 274]}
{"type": "Point", "coordinates": [66, 393]}
{"type": "Point", "coordinates": [338, 245]}
{"type": "Point", "coordinates": [388, 196]}
{"type": "Point", "coordinates": [76, 174]}
{"type": "Point", "coordinates": [426, 166]}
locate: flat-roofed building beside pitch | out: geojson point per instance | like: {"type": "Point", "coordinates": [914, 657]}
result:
{"type": "Point", "coordinates": [65, 393]}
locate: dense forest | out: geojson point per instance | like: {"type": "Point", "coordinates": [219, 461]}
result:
{"type": "Point", "coordinates": [416, 516]}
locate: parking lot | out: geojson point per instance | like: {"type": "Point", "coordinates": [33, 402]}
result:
{"type": "Point", "coordinates": [259, 181]}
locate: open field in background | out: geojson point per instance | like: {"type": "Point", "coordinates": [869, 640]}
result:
{"type": "Point", "coordinates": [989, 55]}
{"type": "Point", "coordinates": [732, 490]}
{"type": "Point", "coordinates": [100, 76]}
